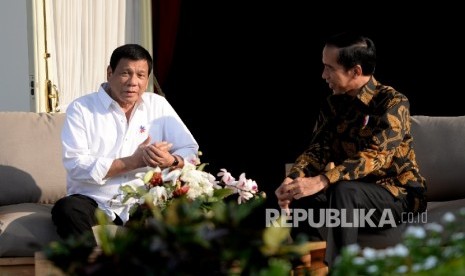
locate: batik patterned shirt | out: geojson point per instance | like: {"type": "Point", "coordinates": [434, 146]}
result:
{"type": "Point", "coordinates": [368, 139]}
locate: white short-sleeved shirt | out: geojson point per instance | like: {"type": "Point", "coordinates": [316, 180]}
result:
{"type": "Point", "coordinates": [96, 132]}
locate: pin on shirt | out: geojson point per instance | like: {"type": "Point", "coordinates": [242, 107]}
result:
{"type": "Point", "coordinates": [142, 129]}
{"type": "Point", "coordinates": [365, 121]}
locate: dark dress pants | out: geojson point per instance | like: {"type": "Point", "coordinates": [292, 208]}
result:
{"type": "Point", "coordinates": [350, 199]}
{"type": "Point", "coordinates": [74, 215]}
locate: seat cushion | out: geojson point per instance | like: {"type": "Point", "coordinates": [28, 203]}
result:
{"type": "Point", "coordinates": [434, 214]}
{"type": "Point", "coordinates": [436, 210]}
{"type": "Point", "coordinates": [25, 228]}
{"type": "Point", "coordinates": [381, 238]}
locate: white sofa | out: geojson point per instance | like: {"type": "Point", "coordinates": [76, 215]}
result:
{"type": "Point", "coordinates": [32, 178]}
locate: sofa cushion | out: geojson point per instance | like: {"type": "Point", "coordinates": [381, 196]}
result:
{"type": "Point", "coordinates": [25, 228]}
{"type": "Point", "coordinates": [382, 238]}
{"type": "Point", "coordinates": [439, 144]}
{"type": "Point", "coordinates": [31, 168]}
{"type": "Point", "coordinates": [436, 210]}
{"type": "Point", "coordinates": [434, 214]}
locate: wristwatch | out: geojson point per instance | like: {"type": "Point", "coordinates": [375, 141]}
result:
{"type": "Point", "coordinates": [175, 162]}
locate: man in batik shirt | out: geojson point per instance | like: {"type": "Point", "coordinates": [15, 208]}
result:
{"type": "Point", "coordinates": [360, 163]}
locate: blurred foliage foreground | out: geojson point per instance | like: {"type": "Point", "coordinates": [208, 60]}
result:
{"type": "Point", "coordinates": [185, 238]}
{"type": "Point", "coordinates": [436, 248]}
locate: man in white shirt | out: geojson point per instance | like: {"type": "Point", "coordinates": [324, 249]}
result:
{"type": "Point", "coordinates": [112, 134]}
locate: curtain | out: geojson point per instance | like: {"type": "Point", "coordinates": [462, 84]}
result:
{"type": "Point", "coordinates": [81, 36]}
{"type": "Point", "coordinates": [165, 26]}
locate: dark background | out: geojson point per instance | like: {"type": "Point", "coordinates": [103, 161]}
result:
{"type": "Point", "coordinates": [246, 77]}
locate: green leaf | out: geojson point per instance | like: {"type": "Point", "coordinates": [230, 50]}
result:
{"type": "Point", "coordinates": [201, 167]}
{"type": "Point", "coordinates": [223, 193]}
{"type": "Point", "coordinates": [277, 267]}
{"type": "Point", "coordinates": [274, 237]}
{"type": "Point", "coordinates": [148, 176]}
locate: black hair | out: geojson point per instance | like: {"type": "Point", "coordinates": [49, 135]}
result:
{"type": "Point", "coordinates": [354, 49]}
{"type": "Point", "coordinates": [132, 52]}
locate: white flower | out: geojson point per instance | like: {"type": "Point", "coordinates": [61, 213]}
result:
{"type": "Point", "coordinates": [158, 195]}
{"type": "Point", "coordinates": [353, 249]}
{"type": "Point", "coordinates": [380, 254]}
{"type": "Point", "coordinates": [171, 176]}
{"type": "Point", "coordinates": [389, 252]}
{"type": "Point", "coordinates": [160, 186]}
{"type": "Point", "coordinates": [369, 253]}
{"type": "Point", "coordinates": [200, 183]}
{"type": "Point", "coordinates": [448, 217]}
{"type": "Point", "coordinates": [416, 231]}
{"type": "Point", "coordinates": [435, 227]}
{"type": "Point", "coordinates": [358, 261]}
{"type": "Point", "coordinates": [430, 262]}
{"type": "Point", "coordinates": [135, 184]}
{"type": "Point", "coordinates": [372, 269]}
{"type": "Point", "coordinates": [401, 250]}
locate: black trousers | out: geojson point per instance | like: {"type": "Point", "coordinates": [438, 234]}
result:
{"type": "Point", "coordinates": [74, 215]}
{"type": "Point", "coordinates": [352, 202]}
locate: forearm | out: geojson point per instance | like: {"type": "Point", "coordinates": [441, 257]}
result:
{"type": "Point", "coordinates": [124, 165]}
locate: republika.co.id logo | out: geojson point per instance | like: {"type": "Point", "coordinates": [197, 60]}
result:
{"type": "Point", "coordinates": [338, 218]}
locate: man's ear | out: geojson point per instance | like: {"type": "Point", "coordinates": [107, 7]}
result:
{"type": "Point", "coordinates": [109, 72]}
{"type": "Point", "coordinates": [357, 70]}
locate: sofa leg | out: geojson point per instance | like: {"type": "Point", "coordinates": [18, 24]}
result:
{"type": "Point", "coordinates": [313, 262]}
{"type": "Point", "coordinates": [45, 267]}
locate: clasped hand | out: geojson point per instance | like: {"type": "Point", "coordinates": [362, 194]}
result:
{"type": "Point", "coordinates": [156, 154]}
{"type": "Point", "coordinates": [298, 188]}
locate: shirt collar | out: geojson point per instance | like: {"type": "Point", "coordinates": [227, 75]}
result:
{"type": "Point", "coordinates": [106, 100]}
{"type": "Point", "coordinates": [103, 96]}
{"type": "Point", "coordinates": [368, 91]}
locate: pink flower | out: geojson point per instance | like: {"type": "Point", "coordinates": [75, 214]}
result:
{"type": "Point", "coordinates": [226, 177]}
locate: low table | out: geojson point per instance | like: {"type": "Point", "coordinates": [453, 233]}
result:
{"type": "Point", "coordinates": [313, 262]}
{"type": "Point", "coordinates": [45, 267]}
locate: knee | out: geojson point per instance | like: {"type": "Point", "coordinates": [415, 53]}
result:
{"type": "Point", "coordinates": [69, 207]}
{"type": "Point", "coordinates": [62, 206]}
{"type": "Point", "coordinates": [343, 188]}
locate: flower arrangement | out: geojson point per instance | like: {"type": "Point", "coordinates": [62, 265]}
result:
{"type": "Point", "coordinates": [158, 187]}
{"type": "Point", "coordinates": [179, 236]}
